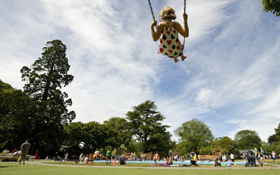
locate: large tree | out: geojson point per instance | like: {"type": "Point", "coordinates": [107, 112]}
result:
{"type": "Point", "coordinates": [145, 124]}
{"type": "Point", "coordinates": [194, 135]}
{"type": "Point", "coordinates": [247, 139]}
{"type": "Point", "coordinates": [45, 78]}
{"type": "Point", "coordinates": [271, 6]}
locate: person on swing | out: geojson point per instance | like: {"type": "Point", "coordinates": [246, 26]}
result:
{"type": "Point", "coordinates": [167, 34]}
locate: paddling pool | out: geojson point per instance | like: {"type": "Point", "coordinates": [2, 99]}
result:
{"type": "Point", "coordinates": [174, 162]}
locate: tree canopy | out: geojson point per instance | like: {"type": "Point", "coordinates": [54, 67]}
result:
{"type": "Point", "coordinates": [194, 135]}
{"type": "Point", "coordinates": [16, 116]}
{"type": "Point", "coordinates": [145, 125]}
{"type": "Point", "coordinates": [47, 75]}
{"type": "Point", "coordinates": [224, 145]}
{"type": "Point", "coordinates": [120, 127]}
{"type": "Point", "coordinates": [247, 139]}
{"type": "Point", "coordinates": [271, 6]}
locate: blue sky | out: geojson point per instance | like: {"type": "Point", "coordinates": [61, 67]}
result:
{"type": "Point", "coordinates": [230, 79]}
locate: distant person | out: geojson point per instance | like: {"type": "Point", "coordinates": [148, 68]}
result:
{"type": "Point", "coordinates": [6, 151]}
{"type": "Point", "coordinates": [263, 155]}
{"type": "Point", "coordinates": [66, 156]}
{"type": "Point", "coordinates": [255, 150]}
{"type": "Point", "coordinates": [224, 158]}
{"type": "Point", "coordinates": [230, 163]}
{"type": "Point", "coordinates": [17, 153]}
{"type": "Point", "coordinates": [156, 157]}
{"type": "Point", "coordinates": [170, 153]}
{"type": "Point", "coordinates": [257, 154]}
{"type": "Point", "coordinates": [108, 155]}
{"type": "Point", "coordinates": [170, 161]}
{"type": "Point", "coordinates": [24, 150]}
{"type": "Point", "coordinates": [232, 157]}
{"type": "Point", "coordinates": [251, 159]}
{"type": "Point", "coordinates": [81, 157]}
{"type": "Point", "coordinates": [36, 155]}
{"type": "Point", "coordinates": [194, 160]}
{"type": "Point", "coordinates": [217, 162]}
{"type": "Point", "coordinates": [274, 156]}
{"type": "Point", "coordinates": [122, 160]}
{"type": "Point", "coordinates": [86, 160]}
{"type": "Point", "coordinates": [183, 158]}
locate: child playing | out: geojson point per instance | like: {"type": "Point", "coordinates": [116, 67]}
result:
{"type": "Point", "coordinates": [167, 32]}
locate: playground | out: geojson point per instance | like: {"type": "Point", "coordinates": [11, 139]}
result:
{"type": "Point", "coordinates": [139, 87]}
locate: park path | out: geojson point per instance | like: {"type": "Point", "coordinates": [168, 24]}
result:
{"type": "Point", "coordinates": [50, 163]}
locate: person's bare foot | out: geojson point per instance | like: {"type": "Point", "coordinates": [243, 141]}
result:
{"type": "Point", "coordinates": [176, 60]}
{"type": "Point", "coordinates": [183, 57]}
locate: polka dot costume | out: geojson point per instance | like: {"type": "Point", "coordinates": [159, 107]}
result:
{"type": "Point", "coordinates": [169, 44]}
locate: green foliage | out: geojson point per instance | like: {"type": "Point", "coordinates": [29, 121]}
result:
{"type": "Point", "coordinates": [5, 87]}
{"type": "Point", "coordinates": [223, 145]}
{"type": "Point", "coordinates": [5, 90]}
{"type": "Point", "coordinates": [45, 106]}
{"type": "Point", "coordinates": [208, 150]}
{"type": "Point", "coordinates": [17, 116]}
{"type": "Point", "coordinates": [120, 126]}
{"type": "Point", "coordinates": [99, 136]}
{"type": "Point", "coordinates": [277, 133]}
{"type": "Point", "coordinates": [247, 139]}
{"type": "Point", "coordinates": [74, 134]}
{"type": "Point", "coordinates": [271, 6]}
{"type": "Point", "coordinates": [194, 135]}
{"type": "Point", "coordinates": [145, 124]}
{"type": "Point", "coordinates": [273, 140]}
{"type": "Point", "coordinates": [93, 135]}
{"type": "Point", "coordinates": [266, 147]}
{"type": "Point", "coordinates": [45, 79]}
{"type": "Point", "coordinates": [134, 146]}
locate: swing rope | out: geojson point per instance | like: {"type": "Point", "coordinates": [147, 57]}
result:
{"type": "Point", "coordinates": [152, 11]}
{"type": "Point", "coordinates": [185, 7]}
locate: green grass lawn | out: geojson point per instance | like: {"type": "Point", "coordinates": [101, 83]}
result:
{"type": "Point", "coordinates": [15, 169]}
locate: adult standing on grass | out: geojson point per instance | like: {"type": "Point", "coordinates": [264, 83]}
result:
{"type": "Point", "coordinates": [257, 154]}
{"type": "Point", "coordinates": [156, 157]}
{"type": "Point", "coordinates": [274, 156]}
{"type": "Point", "coordinates": [24, 150]}
{"type": "Point", "coordinates": [108, 155]}
{"type": "Point", "coordinates": [232, 157]}
{"type": "Point", "coordinates": [263, 155]}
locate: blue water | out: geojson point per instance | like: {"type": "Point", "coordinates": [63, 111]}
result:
{"type": "Point", "coordinates": [185, 162]}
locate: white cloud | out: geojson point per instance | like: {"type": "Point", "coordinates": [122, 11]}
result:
{"type": "Point", "coordinates": [231, 73]}
{"type": "Point", "coordinates": [263, 125]}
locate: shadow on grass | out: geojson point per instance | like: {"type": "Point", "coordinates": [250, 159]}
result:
{"type": "Point", "coordinates": [4, 166]}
